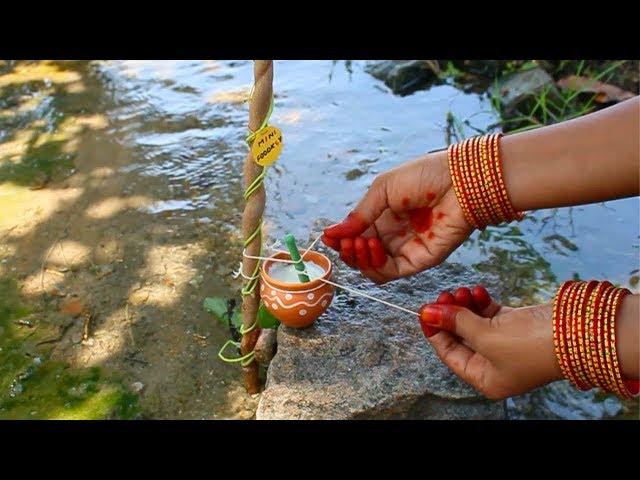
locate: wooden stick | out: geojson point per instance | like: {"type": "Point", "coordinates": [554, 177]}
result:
{"type": "Point", "coordinates": [252, 217]}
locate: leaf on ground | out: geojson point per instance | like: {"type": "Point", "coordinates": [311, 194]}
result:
{"type": "Point", "coordinates": [605, 92]}
{"type": "Point", "coordinates": [266, 319]}
{"type": "Point", "coordinates": [216, 306]}
{"type": "Point", "coordinates": [72, 307]}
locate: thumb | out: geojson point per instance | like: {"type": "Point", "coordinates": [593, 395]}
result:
{"type": "Point", "coordinates": [454, 319]}
{"type": "Point", "coordinates": [368, 210]}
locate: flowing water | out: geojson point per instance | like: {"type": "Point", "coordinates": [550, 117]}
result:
{"type": "Point", "coordinates": [173, 133]}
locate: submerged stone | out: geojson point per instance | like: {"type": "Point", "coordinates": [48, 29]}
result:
{"type": "Point", "coordinates": [404, 77]}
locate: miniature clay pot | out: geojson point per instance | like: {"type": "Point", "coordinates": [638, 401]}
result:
{"type": "Point", "coordinates": [297, 305]}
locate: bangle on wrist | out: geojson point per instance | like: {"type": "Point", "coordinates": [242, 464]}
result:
{"type": "Point", "coordinates": [476, 172]}
{"type": "Point", "coordinates": [584, 336]}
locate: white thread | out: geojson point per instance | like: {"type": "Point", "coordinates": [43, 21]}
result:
{"type": "Point", "coordinates": [282, 260]}
{"type": "Point", "coordinates": [311, 246]}
{"type": "Point", "coordinates": [240, 273]}
{"type": "Point", "coordinates": [274, 245]}
{"type": "Point", "coordinates": [362, 294]}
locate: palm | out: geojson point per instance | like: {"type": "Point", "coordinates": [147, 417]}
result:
{"type": "Point", "coordinates": [414, 212]}
{"type": "Point", "coordinates": [415, 249]}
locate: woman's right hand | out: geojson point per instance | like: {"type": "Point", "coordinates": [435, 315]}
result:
{"type": "Point", "coordinates": [409, 220]}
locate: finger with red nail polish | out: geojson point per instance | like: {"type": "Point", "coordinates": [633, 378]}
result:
{"type": "Point", "coordinates": [427, 329]}
{"type": "Point", "coordinates": [352, 226]}
{"type": "Point", "coordinates": [446, 298]}
{"type": "Point", "coordinates": [439, 316]}
{"type": "Point", "coordinates": [464, 298]}
{"type": "Point", "coordinates": [377, 253]}
{"type": "Point", "coordinates": [361, 252]}
{"type": "Point", "coordinates": [331, 242]}
{"type": "Point", "coordinates": [347, 252]}
{"type": "Point", "coordinates": [481, 297]}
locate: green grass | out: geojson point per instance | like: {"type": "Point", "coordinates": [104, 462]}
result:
{"type": "Point", "coordinates": [552, 105]}
{"type": "Point", "coordinates": [39, 165]}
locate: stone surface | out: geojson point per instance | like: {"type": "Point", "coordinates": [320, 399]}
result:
{"type": "Point", "coordinates": [364, 360]}
{"type": "Point", "coordinates": [521, 86]}
{"type": "Point", "coordinates": [404, 77]}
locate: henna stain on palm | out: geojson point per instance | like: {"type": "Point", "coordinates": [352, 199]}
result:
{"type": "Point", "coordinates": [440, 216]}
{"type": "Point", "coordinates": [431, 196]}
{"type": "Point", "coordinates": [405, 202]}
{"type": "Point", "coordinates": [421, 219]}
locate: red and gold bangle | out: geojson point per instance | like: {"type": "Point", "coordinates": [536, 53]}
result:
{"type": "Point", "coordinates": [475, 161]}
{"type": "Point", "coordinates": [558, 342]}
{"type": "Point", "coordinates": [616, 373]}
{"type": "Point", "coordinates": [592, 351]}
{"type": "Point", "coordinates": [468, 167]}
{"type": "Point", "coordinates": [603, 355]}
{"type": "Point", "coordinates": [457, 180]}
{"type": "Point", "coordinates": [503, 201]}
{"type": "Point", "coordinates": [475, 166]}
{"type": "Point", "coordinates": [565, 334]}
{"type": "Point", "coordinates": [503, 189]}
{"type": "Point", "coordinates": [579, 379]}
{"type": "Point", "coordinates": [604, 340]}
{"type": "Point", "coordinates": [487, 180]}
{"type": "Point", "coordinates": [565, 312]}
{"type": "Point", "coordinates": [598, 329]}
{"type": "Point", "coordinates": [584, 361]}
{"type": "Point", "coordinates": [493, 178]}
{"type": "Point", "coordinates": [584, 336]}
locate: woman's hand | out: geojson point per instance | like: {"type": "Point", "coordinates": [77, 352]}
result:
{"type": "Point", "coordinates": [408, 221]}
{"type": "Point", "coordinates": [501, 351]}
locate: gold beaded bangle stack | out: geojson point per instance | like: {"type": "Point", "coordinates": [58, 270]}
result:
{"type": "Point", "coordinates": [584, 336]}
{"type": "Point", "coordinates": [476, 172]}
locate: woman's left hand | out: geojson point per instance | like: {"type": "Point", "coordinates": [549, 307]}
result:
{"type": "Point", "coordinates": [501, 351]}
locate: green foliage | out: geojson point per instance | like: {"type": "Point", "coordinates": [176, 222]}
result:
{"type": "Point", "coordinates": [39, 165]}
{"type": "Point", "coordinates": [266, 319]}
{"type": "Point", "coordinates": [551, 105]}
{"type": "Point", "coordinates": [220, 307]}
{"type": "Point", "coordinates": [216, 305]}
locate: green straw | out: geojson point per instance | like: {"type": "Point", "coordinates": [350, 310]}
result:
{"type": "Point", "coordinates": [290, 242]}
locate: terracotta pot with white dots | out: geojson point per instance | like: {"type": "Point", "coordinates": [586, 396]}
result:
{"type": "Point", "coordinates": [297, 305]}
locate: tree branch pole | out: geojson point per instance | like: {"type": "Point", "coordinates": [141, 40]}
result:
{"type": "Point", "coordinates": [252, 218]}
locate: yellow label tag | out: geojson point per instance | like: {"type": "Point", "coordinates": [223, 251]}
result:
{"type": "Point", "coordinates": [267, 145]}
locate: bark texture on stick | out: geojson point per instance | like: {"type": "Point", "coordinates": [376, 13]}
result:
{"type": "Point", "coordinates": [252, 216]}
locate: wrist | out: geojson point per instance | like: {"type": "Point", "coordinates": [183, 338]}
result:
{"type": "Point", "coordinates": [628, 336]}
{"type": "Point", "coordinates": [544, 318]}
{"type": "Point", "coordinates": [438, 161]}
